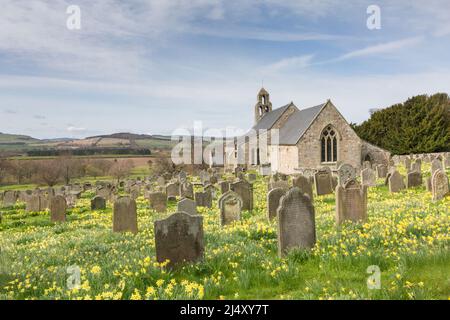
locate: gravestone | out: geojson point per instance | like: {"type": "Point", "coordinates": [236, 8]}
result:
{"type": "Point", "coordinates": [251, 177]}
{"type": "Point", "coordinates": [230, 204]}
{"type": "Point", "coordinates": [158, 201]}
{"type": "Point", "coordinates": [186, 190]}
{"type": "Point", "coordinates": [367, 165]}
{"type": "Point", "coordinates": [33, 203]}
{"type": "Point", "coordinates": [182, 176]}
{"type": "Point", "coordinates": [187, 205]}
{"type": "Point", "coordinates": [427, 183]}
{"type": "Point", "coordinates": [413, 179]}
{"type": "Point", "coordinates": [98, 203]}
{"type": "Point", "coordinates": [407, 164]}
{"type": "Point", "coordinates": [351, 202]}
{"type": "Point", "coordinates": [161, 181]}
{"type": "Point", "coordinates": [58, 208]}
{"type": "Point", "coordinates": [179, 239]}
{"type": "Point", "coordinates": [382, 171]}
{"type": "Point", "coordinates": [323, 182]}
{"type": "Point", "coordinates": [9, 198]}
{"type": "Point", "coordinates": [296, 222]}
{"type": "Point", "coordinates": [345, 173]}
{"type": "Point", "coordinates": [436, 164]}
{"type": "Point", "coordinates": [304, 184]}
{"type": "Point", "coordinates": [280, 184]}
{"type": "Point", "coordinates": [439, 183]}
{"type": "Point", "coordinates": [368, 178]}
{"type": "Point", "coordinates": [224, 186]}
{"type": "Point", "coordinates": [273, 202]}
{"type": "Point", "coordinates": [173, 190]}
{"type": "Point", "coordinates": [245, 191]}
{"type": "Point", "coordinates": [396, 182]}
{"type": "Point", "coordinates": [417, 166]}
{"type": "Point", "coordinates": [125, 215]}
{"type": "Point", "coordinates": [203, 199]}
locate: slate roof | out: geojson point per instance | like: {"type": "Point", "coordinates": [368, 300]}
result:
{"type": "Point", "coordinates": [269, 119]}
{"type": "Point", "coordinates": [297, 124]}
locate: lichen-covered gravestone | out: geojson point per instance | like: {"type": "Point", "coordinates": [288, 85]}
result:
{"type": "Point", "coordinates": [436, 164]}
{"type": "Point", "coordinates": [203, 199]}
{"type": "Point", "coordinates": [125, 215]}
{"type": "Point", "coordinates": [158, 201]}
{"type": "Point", "coordinates": [245, 191]}
{"type": "Point", "coordinates": [33, 203]}
{"type": "Point", "coordinates": [345, 173]}
{"type": "Point", "coordinates": [173, 190]}
{"type": "Point", "coordinates": [413, 179]}
{"type": "Point", "coordinates": [304, 184]}
{"type": "Point", "coordinates": [368, 178]}
{"type": "Point", "coordinates": [179, 239]}
{"type": "Point", "coordinates": [273, 202]}
{"type": "Point", "coordinates": [224, 186]}
{"type": "Point", "coordinates": [187, 205]}
{"type": "Point", "coordinates": [98, 203]}
{"type": "Point", "coordinates": [439, 183]}
{"type": "Point", "coordinates": [382, 171]}
{"type": "Point", "coordinates": [230, 204]}
{"type": "Point", "coordinates": [186, 190]}
{"type": "Point", "coordinates": [396, 182]}
{"type": "Point", "coordinates": [58, 207]}
{"type": "Point", "coordinates": [296, 222]}
{"type": "Point", "coordinates": [323, 182]}
{"type": "Point", "coordinates": [351, 202]}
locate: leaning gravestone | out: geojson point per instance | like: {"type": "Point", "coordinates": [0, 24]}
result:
{"type": "Point", "coordinates": [158, 201]}
{"type": "Point", "coordinates": [304, 185]}
{"type": "Point", "coordinates": [33, 203]}
{"type": "Point", "coordinates": [345, 173]}
{"type": "Point", "coordinates": [245, 191]}
{"type": "Point", "coordinates": [179, 239]}
{"type": "Point", "coordinates": [98, 203]}
{"type": "Point", "coordinates": [58, 207]}
{"type": "Point", "coordinates": [230, 204]}
{"type": "Point", "coordinates": [396, 182]}
{"type": "Point", "coordinates": [439, 183]}
{"type": "Point", "coordinates": [273, 202]}
{"type": "Point", "coordinates": [323, 182]}
{"type": "Point", "coordinates": [296, 222]}
{"type": "Point", "coordinates": [187, 205]}
{"type": "Point", "coordinates": [125, 215]}
{"type": "Point", "coordinates": [351, 202]}
{"type": "Point", "coordinates": [413, 179]}
{"type": "Point", "coordinates": [368, 178]}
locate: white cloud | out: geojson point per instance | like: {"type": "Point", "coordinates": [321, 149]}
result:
{"type": "Point", "coordinates": [290, 64]}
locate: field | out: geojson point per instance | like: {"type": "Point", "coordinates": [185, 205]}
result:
{"type": "Point", "coordinates": [406, 236]}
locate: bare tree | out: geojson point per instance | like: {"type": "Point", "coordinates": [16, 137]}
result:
{"type": "Point", "coordinates": [121, 169]}
{"type": "Point", "coordinates": [50, 172]}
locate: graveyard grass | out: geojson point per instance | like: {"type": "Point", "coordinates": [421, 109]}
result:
{"type": "Point", "coordinates": [406, 236]}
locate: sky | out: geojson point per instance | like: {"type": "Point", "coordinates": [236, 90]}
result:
{"type": "Point", "coordinates": [153, 66]}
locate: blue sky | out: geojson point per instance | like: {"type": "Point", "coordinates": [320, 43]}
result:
{"type": "Point", "coordinates": [152, 66]}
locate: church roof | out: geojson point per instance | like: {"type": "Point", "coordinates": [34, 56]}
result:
{"type": "Point", "coordinates": [269, 119]}
{"type": "Point", "coordinates": [297, 124]}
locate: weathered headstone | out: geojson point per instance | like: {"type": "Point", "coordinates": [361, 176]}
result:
{"type": "Point", "coordinates": [186, 190]}
{"type": "Point", "coordinates": [158, 201]}
{"type": "Point", "coordinates": [33, 203]}
{"type": "Point", "coordinates": [125, 215]}
{"type": "Point", "coordinates": [396, 182]}
{"type": "Point", "coordinates": [436, 164]}
{"type": "Point", "coordinates": [245, 191]}
{"type": "Point", "coordinates": [323, 182]}
{"type": "Point", "coordinates": [368, 178]}
{"type": "Point", "coordinates": [179, 239]}
{"type": "Point", "coordinates": [9, 198]}
{"type": "Point", "coordinates": [413, 179]}
{"type": "Point", "coordinates": [296, 222]}
{"type": "Point", "coordinates": [230, 204]}
{"type": "Point", "coordinates": [345, 173]}
{"type": "Point", "coordinates": [203, 199]}
{"type": "Point", "coordinates": [351, 202]}
{"type": "Point", "coordinates": [407, 164]}
{"type": "Point", "coordinates": [303, 183]}
{"type": "Point", "coordinates": [382, 171]}
{"type": "Point", "coordinates": [98, 203]}
{"type": "Point", "coordinates": [58, 208]}
{"type": "Point", "coordinates": [273, 202]}
{"type": "Point", "coordinates": [173, 190]}
{"type": "Point", "coordinates": [439, 183]}
{"type": "Point", "coordinates": [224, 186]}
{"type": "Point", "coordinates": [187, 205]}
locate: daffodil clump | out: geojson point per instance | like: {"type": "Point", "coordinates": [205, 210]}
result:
{"type": "Point", "coordinates": [406, 236]}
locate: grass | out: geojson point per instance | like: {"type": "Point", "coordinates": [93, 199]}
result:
{"type": "Point", "coordinates": [406, 236]}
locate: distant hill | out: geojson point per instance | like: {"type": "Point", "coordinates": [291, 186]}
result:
{"type": "Point", "coordinates": [419, 125]}
{"type": "Point", "coordinates": [6, 138]}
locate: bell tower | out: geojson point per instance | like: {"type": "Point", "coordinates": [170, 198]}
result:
{"type": "Point", "coordinates": [263, 104]}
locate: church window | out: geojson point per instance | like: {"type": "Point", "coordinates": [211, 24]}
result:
{"type": "Point", "coordinates": [329, 148]}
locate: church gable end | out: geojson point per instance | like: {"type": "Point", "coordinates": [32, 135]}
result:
{"type": "Point", "coordinates": [341, 142]}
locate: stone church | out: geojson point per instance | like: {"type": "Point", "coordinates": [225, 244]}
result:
{"type": "Point", "coordinates": [308, 138]}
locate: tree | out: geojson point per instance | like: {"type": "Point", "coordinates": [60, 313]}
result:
{"type": "Point", "coordinates": [419, 125]}
{"type": "Point", "coordinates": [121, 169]}
{"type": "Point", "coordinates": [50, 172]}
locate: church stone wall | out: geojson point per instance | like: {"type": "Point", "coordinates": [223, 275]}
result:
{"type": "Point", "coordinates": [349, 144]}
